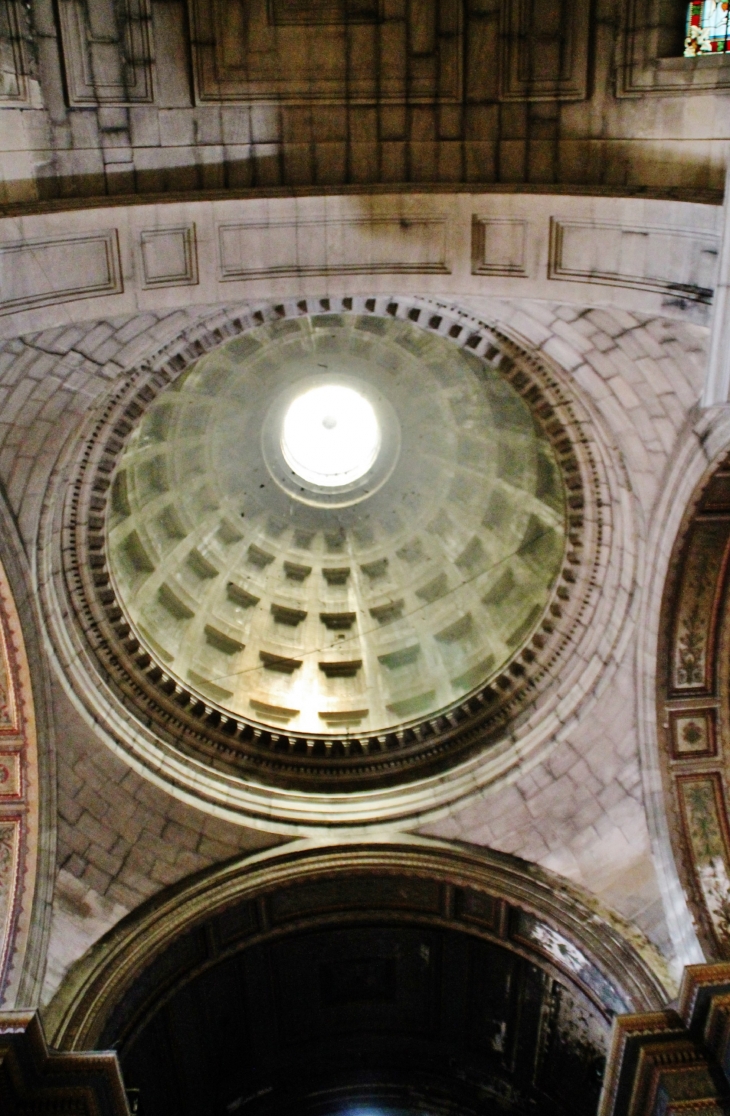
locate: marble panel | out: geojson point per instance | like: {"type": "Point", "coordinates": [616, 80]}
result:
{"type": "Point", "coordinates": [107, 50]}
{"type": "Point", "coordinates": [304, 50]}
{"type": "Point", "coordinates": [499, 246]}
{"type": "Point", "coordinates": [13, 61]}
{"type": "Point", "coordinates": [413, 246]}
{"type": "Point", "coordinates": [544, 51]}
{"type": "Point", "coordinates": [169, 257]}
{"type": "Point", "coordinates": [679, 262]}
{"type": "Point", "coordinates": [36, 272]}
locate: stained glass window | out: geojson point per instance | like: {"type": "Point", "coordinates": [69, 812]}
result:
{"type": "Point", "coordinates": [707, 27]}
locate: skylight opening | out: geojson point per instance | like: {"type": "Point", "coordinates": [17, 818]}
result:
{"type": "Point", "coordinates": [330, 436]}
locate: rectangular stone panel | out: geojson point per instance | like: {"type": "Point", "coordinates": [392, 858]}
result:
{"type": "Point", "coordinates": [304, 50]}
{"type": "Point", "coordinates": [358, 893]}
{"type": "Point", "coordinates": [169, 257]}
{"type": "Point", "coordinates": [544, 55]}
{"type": "Point", "coordinates": [412, 246]}
{"type": "Point", "coordinates": [678, 262]}
{"type": "Point", "coordinates": [13, 56]}
{"type": "Point", "coordinates": [36, 272]}
{"type": "Point", "coordinates": [107, 50]}
{"type": "Point", "coordinates": [499, 246]}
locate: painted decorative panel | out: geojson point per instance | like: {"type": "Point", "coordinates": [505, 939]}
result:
{"type": "Point", "coordinates": [704, 813]}
{"type": "Point", "coordinates": [18, 797]}
{"type": "Point", "coordinates": [36, 272]}
{"type": "Point", "coordinates": [8, 709]}
{"type": "Point", "coordinates": [695, 623]}
{"type": "Point", "coordinates": [302, 50]}
{"type": "Point", "coordinates": [680, 262]}
{"type": "Point", "coordinates": [693, 733]}
{"type": "Point", "coordinates": [107, 50]}
{"type": "Point", "coordinates": [10, 836]}
{"type": "Point", "coordinates": [544, 50]}
{"type": "Point", "coordinates": [364, 246]}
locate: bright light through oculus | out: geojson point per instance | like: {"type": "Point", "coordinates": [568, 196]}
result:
{"type": "Point", "coordinates": [330, 435]}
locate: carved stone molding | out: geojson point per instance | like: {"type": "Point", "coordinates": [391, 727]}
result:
{"type": "Point", "coordinates": [258, 249]}
{"type": "Point", "coordinates": [642, 257]}
{"type": "Point", "coordinates": [499, 246]}
{"type": "Point", "coordinates": [14, 62]}
{"type": "Point", "coordinates": [38, 272]}
{"type": "Point", "coordinates": [169, 257]}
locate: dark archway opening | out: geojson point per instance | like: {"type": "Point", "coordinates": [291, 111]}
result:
{"type": "Point", "coordinates": [369, 1020]}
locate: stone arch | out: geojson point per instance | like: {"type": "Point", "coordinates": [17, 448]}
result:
{"type": "Point", "coordinates": [526, 909]}
{"type": "Point", "coordinates": [692, 685]}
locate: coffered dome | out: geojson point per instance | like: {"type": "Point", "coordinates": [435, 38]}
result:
{"type": "Point", "coordinates": [331, 546]}
{"type": "Point", "coordinates": [337, 523]}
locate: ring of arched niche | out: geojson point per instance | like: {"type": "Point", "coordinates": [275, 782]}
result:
{"type": "Point", "coordinates": [282, 780]}
{"type": "Point", "coordinates": [409, 912]}
{"type": "Point", "coordinates": [693, 705]}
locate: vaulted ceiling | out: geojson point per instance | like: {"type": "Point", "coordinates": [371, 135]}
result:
{"type": "Point", "coordinates": [503, 225]}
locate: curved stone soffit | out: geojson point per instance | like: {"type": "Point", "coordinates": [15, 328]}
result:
{"type": "Point", "coordinates": [598, 621]}
{"type": "Point", "coordinates": [693, 705]}
{"type": "Point", "coordinates": [159, 947]}
{"type": "Point", "coordinates": [19, 798]}
{"type": "Point", "coordinates": [658, 257]}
